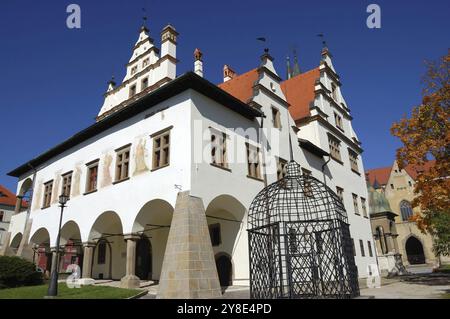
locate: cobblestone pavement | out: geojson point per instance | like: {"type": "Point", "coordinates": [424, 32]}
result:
{"type": "Point", "coordinates": [419, 285]}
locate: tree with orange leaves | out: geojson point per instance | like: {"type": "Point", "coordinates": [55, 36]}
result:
{"type": "Point", "coordinates": [426, 136]}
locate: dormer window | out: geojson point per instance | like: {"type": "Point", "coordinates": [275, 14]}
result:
{"type": "Point", "coordinates": [145, 62]}
{"type": "Point", "coordinates": [133, 90]}
{"type": "Point", "coordinates": [134, 70]}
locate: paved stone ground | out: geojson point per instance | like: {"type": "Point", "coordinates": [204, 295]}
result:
{"type": "Point", "coordinates": [414, 286]}
{"type": "Point", "coordinates": [421, 284]}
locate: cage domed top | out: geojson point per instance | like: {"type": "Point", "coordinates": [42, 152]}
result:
{"type": "Point", "coordinates": [296, 197]}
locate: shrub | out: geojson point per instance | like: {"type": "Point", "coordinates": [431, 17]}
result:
{"type": "Point", "coordinates": [16, 272]}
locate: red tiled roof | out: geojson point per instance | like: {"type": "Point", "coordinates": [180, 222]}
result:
{"type": "Point", "coordinates": [414, 170]}
{"type": "Point", "coordinates": [382, 174]}
{"type": "Point", "coordinates": [379, 174]}
{"type": "Point", "coordinates": [241, 87]}
{"type": "Point", "coordinates": [300, 92]}
{"type": "Point", "coordinates": [6, 197]}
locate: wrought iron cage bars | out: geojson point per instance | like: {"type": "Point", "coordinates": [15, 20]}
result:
{"type": "Point", "coordinates": [299, 241]}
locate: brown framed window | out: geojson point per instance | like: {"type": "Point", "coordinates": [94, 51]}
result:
{"type": "Point", "coordinates": [214, 233]}
{"type": "Point", "coordinates": [307, 187]}
{"type": "Point", "coordinates": [66, 184]}
{"type": "Point", "coordinates": [2, 215]}
{"type": "Point", "coordinates": [340, 193]}
{"type": "Point", "coordinates": [92, 174]}
{"type": "Point", "coordinates": [363, 206]}
{"type": "Point", "coordinates": [122, 163]}
{"type": "Point", "coordinates": [276, 117]}
{"type": "Point", "coordinates": [338, 121]}
{"type": "Point", "coordinates": [133, 90]}
{"type": "Point", "coordinates": [353, 160]}
{"type": "Point", "coordinates": [253, 163]}
{"type": "Point", "coordinates": [145, 62]}
{"type": "Point", "coordinates": [219, 149]}
{"type": "Point", "coordinates": [370, 248]}
{"type": "Point", "coordinates": [281, 168]}
{"type": "Point", "coordinates": [335, 148]}
{"type": "Point", "coordinates": [144, 84]}
{"type": "Point", "coordinates": [361, 245]}
{"type": "Point", "coordinates": [355, 203]}
{"type": "Point", "coordinates": [161, 149]}
{"type": "Point", "coordinates": [47, 194]}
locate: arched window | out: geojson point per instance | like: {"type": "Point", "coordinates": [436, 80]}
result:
{"type": "Point", "coordinates": [406, 210]}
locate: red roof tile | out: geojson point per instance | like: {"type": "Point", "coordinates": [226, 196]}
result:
{"type": "Point", "coordinates": [414, 170]}
{"type": "Point", "coordinates": [241, 87]}
{"type": "Point", "coordinates": [382, 174]}
{"type": "Point", "coordinates": [379, 174]}
{"type": "Point", "coordinates": [6, 197]}
{"type": "Point", "coordinates": [300, 92]}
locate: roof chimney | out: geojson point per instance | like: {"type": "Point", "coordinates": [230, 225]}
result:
{"type": "Point", "coordinates": [198, 64]}
{"type": "Point", "coordinates": [228, 73]}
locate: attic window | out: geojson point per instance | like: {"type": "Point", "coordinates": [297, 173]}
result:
{"type": "Point", "coordinates": [272, 87]}
{"type": "Point", "coordinates": [145, 62]}
{"type": "Point", "coordinates": [134, 70]}
{"type": "Point", "coordinates": [334, 91]}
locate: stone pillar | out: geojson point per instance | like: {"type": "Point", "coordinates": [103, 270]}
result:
{"type": "Point", "coordinates": [18, 205]}
{"type": "Point", "coordinates": [189, 269]}
{"type": "Point", "coordinates": [25, 250]}
{"type": "Point", "coordinates": [87, 264]}
{"type": "Point", "coordinates": [130, 280]}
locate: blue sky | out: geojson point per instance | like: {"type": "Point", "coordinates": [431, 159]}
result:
{"type": "Point", "coordinates": [53, 77]}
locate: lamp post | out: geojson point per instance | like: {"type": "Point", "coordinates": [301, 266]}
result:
{"type": "Point", "coordinates": [53, 286]}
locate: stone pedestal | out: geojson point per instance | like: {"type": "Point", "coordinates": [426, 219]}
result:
{"type": "Point", "coordinates": [130, 280]}
{"type": "Point", "coordinates": [87, 264]}
{"type": "Point", "coordinates": [189, 269]}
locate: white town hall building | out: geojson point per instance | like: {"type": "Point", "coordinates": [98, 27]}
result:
{"type": "Point", "coordinates": [161, 183]}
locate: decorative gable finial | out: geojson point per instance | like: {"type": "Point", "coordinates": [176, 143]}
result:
{"type": "Point", "coordinates": [296, 68]}
{"type": "Point", "coordinates": [288, 68]}
{"type": "Point", "coordinates": [198, 55]}
{"type": "Point", "coordinates": [144, 21]}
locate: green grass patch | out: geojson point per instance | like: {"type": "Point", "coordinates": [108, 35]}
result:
{"type": "Point", "coordinates": [64, 292]}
